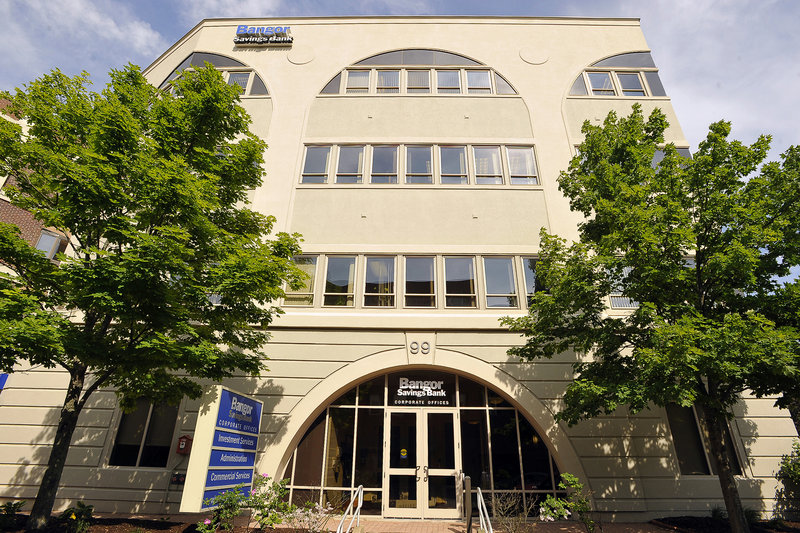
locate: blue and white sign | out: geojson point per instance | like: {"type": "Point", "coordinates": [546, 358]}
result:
{"type": "Point", "coordinates": [239, 413]}
{"type": "Point", "coordinates": [263, 35]}
{"type": "Point", "coordinates": [224, 450]}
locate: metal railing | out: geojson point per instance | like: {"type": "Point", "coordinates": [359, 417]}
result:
{"type": "Point", "coordinates": [483, 514]}
{"type": "Point", "coordinates": [356, 513]}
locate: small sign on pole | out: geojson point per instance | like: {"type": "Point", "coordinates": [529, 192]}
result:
{"type": "Point", "coordinates": [224, 448]}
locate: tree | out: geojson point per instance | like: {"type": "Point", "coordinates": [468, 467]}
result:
{"type": "Point", "coordinates": [169, 275]}
{"type": "Point", "coordinates": [697, 244]}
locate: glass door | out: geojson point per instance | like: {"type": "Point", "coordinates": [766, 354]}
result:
{"type": "Point", "coordinates": [440, 473]}
{"type": "Point", "coordinates": [422, 464]}
{"type": "Point", "coordinates": [402, 479]}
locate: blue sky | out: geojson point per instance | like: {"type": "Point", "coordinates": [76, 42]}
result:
{"type": "Point", "coordinates": [732, 59]}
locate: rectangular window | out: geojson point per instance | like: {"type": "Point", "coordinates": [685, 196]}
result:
{"type": "Point", "coordinates": [631, 84]}
{"type": "Point", "coordinates": [488, 168]}
{"type": "Point", "coordinates": [617, 300]}
{"type": "Point", "coordinates": [339, 284]}
{"type": "Point", "coordinates": [522, 165]}
{"type": "Point", "coordinates": [51, 244]}
{"type": "Point", "coordinates": [144, 437]}
{"type": "Point", "coordinates": [384, 164]}
{"type": "Point", "coordinates": [478, 82]}
{"type": "Point", "coordinates": [305, 294]}
{"type": "Point", "coordinates": [388, 81]}
{"type": "Point", "coordinates": [448, 81]}
{"type": "Point", "coordinates": [532, 283]}
{"type": "Point", "coordinates": [418, 164]}
{"type": "Point", "coordinates": [601, 83]}
{"type": "Point", "coordinates": [379, 282]}
{"type": "Point", "coordinates": [239, 78]}
{"type": "Point", "coordinates": [420, 282]}
{"type": "Point", "coordinates": [501, 288]}
{"type": "Point", "coordinates": [453, 160]}
{"type": "Point", "coordinates": [459, 288]}
{"type": "Point", "coordinates": [690, 435]}
{"type": "Point", "coordinates": [419, 81]}
{"type": "Point", "coordinates": [315, 169]}
{"type": "Point", "coordinates": [351, 164]}
{"type": "Point", "coordinates": [357, 82]}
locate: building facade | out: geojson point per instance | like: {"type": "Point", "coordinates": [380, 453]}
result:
{"type": "Point", "coordinates": [418, 158]}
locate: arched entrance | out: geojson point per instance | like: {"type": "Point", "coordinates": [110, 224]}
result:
{"type": "Point", "coordinates": [407, 436]}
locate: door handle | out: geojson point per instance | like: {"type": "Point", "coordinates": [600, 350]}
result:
{"type": "Point", "coordinates": [416, 470]}
{"type": "Point", "coordinates": [425, 471]}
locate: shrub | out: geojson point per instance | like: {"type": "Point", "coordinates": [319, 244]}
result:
{"type": "Point", "coordinates": [311, 517]}
{"type": "Point", "coordinates": [8, 514]}
{"type": "Point", "coordinates": [577, 502]}
{"type": "Point", "coordinates": [788, 496]}
{"type": "Point", "coordinates": [77, 519]}
{"type": "Point", "coordinates": [268, 501]}
{"type": "Point", "coordinates": [228, 506]}
{"type": "Point", "coordinates": [511, 513]}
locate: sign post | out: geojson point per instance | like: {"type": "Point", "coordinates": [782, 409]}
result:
{"type": "Point", "coordinates": [224, 448]}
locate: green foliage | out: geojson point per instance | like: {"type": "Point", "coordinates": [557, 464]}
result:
{"type": "Point", "coordinates": [268, 501]}
{"type": "Point", "coordinates": [228, 505]}
{"type": "Point", "coordinates": [788, 497]}
{"type": "Point", "coordinates": [700, 245]}
{"type": "Point", "coordinates": [151, 188]}
{"type": "Point", "coordinates": [8, 514]}
{"type": "Point", "coordinates": [577, 502]}
{"type": "Point", "coordinates": [77, 519]}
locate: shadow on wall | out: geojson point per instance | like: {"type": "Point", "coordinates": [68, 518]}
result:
{"type": "Point", "coordinates": [631, 458]}
{"type": "Point", "coordinates": [87, 476]}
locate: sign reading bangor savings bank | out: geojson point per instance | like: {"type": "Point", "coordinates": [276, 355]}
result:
{"type": "Point", "coordinates": [224, 447]}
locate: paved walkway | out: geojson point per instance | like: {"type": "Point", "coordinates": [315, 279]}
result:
{"type": "Point", "coordinates": [446, 526]}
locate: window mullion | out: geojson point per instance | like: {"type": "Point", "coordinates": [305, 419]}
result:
{"type": "Point", "coordinates": [144, 434]}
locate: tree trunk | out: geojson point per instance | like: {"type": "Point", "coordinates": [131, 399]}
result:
{"type": "Point", "coordinates": [45, 498]}
{"type": "Point", "coordinates": [793, 404]}
{"type": "Point", "coordinates": [715, 421]}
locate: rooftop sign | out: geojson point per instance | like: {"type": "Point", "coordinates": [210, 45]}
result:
{"type": "Point", "coordinates": [263, 35]}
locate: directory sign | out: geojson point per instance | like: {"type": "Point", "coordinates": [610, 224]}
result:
{"type": "Point", "coordinates": [224, 449]}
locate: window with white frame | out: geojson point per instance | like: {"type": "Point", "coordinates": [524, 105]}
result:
{"type": "Point", "coordinates": [453, 164]}
{"type": "Point", "coordinates": [315, 169]}
{"type": "Point", "coordinates": [303, 295]}
{"type": "Point", "coordinates": [418, 165]}
{"type": "Point", "coordinates": [424, 164]}
{"type": "Point", "coordinates": [357, 81]}
{"type": "Point", "coordinates": [51, 244]}
{"type": "Point", "coordinates": [522, 165]}
{"type": "Point", "coordinates": [532, 283]}
{"type": "Point", "coordinates": [459, 282]}
{"type": "Point", "coordinates": [340, 281]}
{"type": "Point", "coordinates": [420, 286]}
{"type": "Point", "coordinates": [350, 168]}
{"type": "Point", "coordinates": [488, 167]}
{"type": "Point", "coordinates": [144, 437]}
{"type": "Point", "coordinates": [384, 164]}
{"type": "Point", "coordinates": [630, 74]}
{"type": "Point", "coordinates": [418, 71]}
{"type": "Point", "coordinates": [379, 281]}
{"type": "Point", "coordinates": [501, 286]}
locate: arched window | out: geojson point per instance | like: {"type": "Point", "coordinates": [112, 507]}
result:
{"type": "Point", "coordinates": [631, 74]}
{"type": "Point", "coordinates": [235, 72]}
{"type": "Point", "coordinates": [406, 437]}
{"type": "Point", "coordinates": [418, 71]}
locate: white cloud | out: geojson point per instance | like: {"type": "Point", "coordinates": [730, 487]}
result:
{"type": "Point", "coordinates": [737, 60]}
{"type": "Point", "coordinates": [74, 35]}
